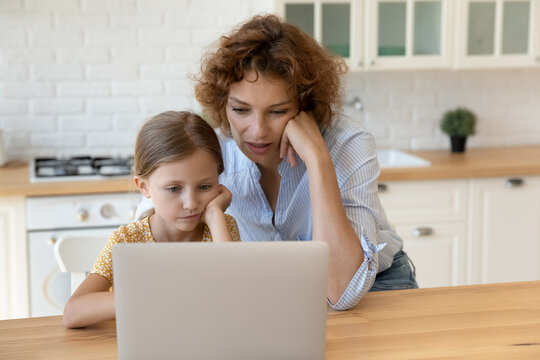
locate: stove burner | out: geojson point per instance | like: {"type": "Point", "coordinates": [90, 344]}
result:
{"type": "Point", "coordinates": [82, 166]}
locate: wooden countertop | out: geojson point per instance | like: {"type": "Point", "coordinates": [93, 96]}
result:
{"type": "Point", "coordinates": [496, 321]}
{"type": "Point", "coordinates": [15, 181]}
{"type": "Point", "coordinates": [483, 162]}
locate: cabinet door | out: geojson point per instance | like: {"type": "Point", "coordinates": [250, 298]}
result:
{"type": "Point", "coordinates": [430, 216]}
{"type": "Point", "coordinates": [13, 263]}
{"type": "Point", "coordinates": [505, 224]}
{"type": "Point", "coordinates": [409, 34]}
{"type": "Point", "coordinates": [336, 24]}
{"type": "Point", "coordinates": [498, 33]}
{"type": "Point", "coordinates": [437, 251]}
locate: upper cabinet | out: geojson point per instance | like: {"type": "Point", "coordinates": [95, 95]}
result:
{"type": "Point", "coordinates": [498, 33]}
{"type": "Point", "coordinates": [418, 34]}
{"type": "Point", "coordinates": [408, 34]}
{"type": "Point", "coordinates": [336, 24]}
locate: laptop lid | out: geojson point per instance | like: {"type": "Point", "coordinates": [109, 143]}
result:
{"type": "Point", "coordinates": [246, 300]}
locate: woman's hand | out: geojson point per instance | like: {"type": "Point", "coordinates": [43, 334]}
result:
{"type": "Point", "coordinates": [218, 205]}
{"type": "Point", "coordinates": [302, 136]}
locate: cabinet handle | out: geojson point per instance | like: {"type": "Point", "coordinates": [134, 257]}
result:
{"type": "Point", "coordinates": [514, 183]}
{"type": "Point", "coordinates": [382, 188]}
{"type": "Point", "coordinates": [423, 231]}
{"type": "Point", "coordinates": [372, 62]}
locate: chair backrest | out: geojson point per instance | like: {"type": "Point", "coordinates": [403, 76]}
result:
{"type": "Point", "coordinates": [77, 254]}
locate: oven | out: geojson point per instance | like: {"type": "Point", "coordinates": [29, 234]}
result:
{"type": "Point", "coordinates": [50, 217]}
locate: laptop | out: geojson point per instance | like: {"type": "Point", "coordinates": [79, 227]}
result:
{"type": "Point", "coordinates": [245, 300]}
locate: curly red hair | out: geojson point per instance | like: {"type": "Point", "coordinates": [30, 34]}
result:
{"type": "Point", "coordinates": [271, 47]}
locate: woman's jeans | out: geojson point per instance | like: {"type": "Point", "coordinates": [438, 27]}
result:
{"type": "Point", "coordinates": [401, 275]}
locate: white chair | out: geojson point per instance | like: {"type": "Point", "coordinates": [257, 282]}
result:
{"type": "Point", "coordinates": [77, 254]}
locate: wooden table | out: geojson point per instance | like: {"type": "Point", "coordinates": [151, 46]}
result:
{"type": "Point", "coordinates": [500, 321]}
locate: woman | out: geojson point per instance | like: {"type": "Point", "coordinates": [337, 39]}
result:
{"type": "Point", "coordinates": [297, 170]}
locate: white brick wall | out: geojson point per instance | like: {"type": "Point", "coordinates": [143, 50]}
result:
{"type": "Point", "coordinates": [79, 76]}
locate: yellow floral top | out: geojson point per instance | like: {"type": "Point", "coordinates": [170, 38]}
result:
{"type": "Point", "coordinates": [139, 232]}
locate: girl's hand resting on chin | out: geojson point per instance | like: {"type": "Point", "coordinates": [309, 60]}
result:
{"type": "Point", "coordinates": [218, 205]}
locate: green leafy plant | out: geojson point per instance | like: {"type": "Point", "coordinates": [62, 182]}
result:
{"type": "Point", "coordinates": [459, 122]}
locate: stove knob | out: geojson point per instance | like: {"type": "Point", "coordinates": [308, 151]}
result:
{"type": "Point", "coordinates": [82, 214]}
{"type": "Point", "coordinates": [107, 211]}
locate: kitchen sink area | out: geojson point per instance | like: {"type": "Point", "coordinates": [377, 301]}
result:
{"type": "Point", "coordinates": [393, 158]}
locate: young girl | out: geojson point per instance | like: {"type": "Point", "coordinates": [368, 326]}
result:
{"type": "Point", "coordinates": [177, 163]}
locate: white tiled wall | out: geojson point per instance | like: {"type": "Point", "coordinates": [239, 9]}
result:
{"type": "Point", "coordinates": [79, 76]}
{"type": "Point", "coordinates": [403, 109]}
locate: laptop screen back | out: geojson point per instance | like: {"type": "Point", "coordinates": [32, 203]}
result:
{"type": "Point", "coordinates": [250, 300]}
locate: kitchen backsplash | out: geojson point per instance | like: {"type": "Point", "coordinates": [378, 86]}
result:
{"type": "Point", "coordinates": [403, 109]}
{"type": "Point", "coordinates": [79, 77]}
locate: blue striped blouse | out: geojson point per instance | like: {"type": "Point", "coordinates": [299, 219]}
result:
{"type": "Point", "coordinates": [354, 155]}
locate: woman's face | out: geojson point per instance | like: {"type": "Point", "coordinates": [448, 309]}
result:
{"type": "Point", "coordinates": [258, 108]}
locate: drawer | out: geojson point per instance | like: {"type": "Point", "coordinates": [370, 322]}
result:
{"type": "Point", "coordinates": [438, 251]}
{"type": "Point", "coordinates": [424, 201]}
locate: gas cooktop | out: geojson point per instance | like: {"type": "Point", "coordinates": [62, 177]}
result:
{"type": "Point", "coordinates": [79, 168]}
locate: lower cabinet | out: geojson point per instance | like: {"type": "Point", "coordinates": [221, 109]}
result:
{"type": "Point", "coordinates": [505, 229]}
{"type": "Point", "coordinates": [469, 231]}
{"type": "Point", "coordinates": [431, 218]}
{"type": "Point", "coordinates": [13, 255]}
{"type": "Point", "coordinates": [437, 251]}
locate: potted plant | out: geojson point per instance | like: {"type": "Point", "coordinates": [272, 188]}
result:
{"type": "Point", "coordinates": [458, 124]}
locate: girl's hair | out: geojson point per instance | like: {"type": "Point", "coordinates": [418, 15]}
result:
{"type": "Point", "coordinates": [272, 48]}
{"type": "Point", "coordinates": [171, 136]}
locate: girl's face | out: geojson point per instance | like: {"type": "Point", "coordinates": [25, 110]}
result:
{"type": "Point", "coordinates": [181, 189]}
{"type": "Point", "coordinates": [258, 108]}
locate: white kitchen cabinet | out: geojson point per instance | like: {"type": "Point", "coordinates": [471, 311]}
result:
{"type": "Point", "coordinates": [505, 227]}
{"type": "Point", "coordinates": [431, 218]}
{"type": "Point", "coordinates": [13, 255]}
{"type": "Point", "coordinates": [438, 251]}
{"type": "Point", "coordinates": [422, 34]}
{"type": "Point", "coordinates": [498, 33]}
{"type": "Point", "coordinates": [470, 231]}
{"type": "Point", "coordinates": [378, 34]}
{"type": "Point", "coordinates": [336, 24]}
{"type": "Point", "coordinates": [409, 34]}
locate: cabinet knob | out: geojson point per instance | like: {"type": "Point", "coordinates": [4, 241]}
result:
{"type": "Point", "coordinates": [423, 231]}
{"type": "Point", "coordinates": [107, 211]}
{"type": "Point", "coordinates": [514, 183]}
{"type": "Point", "coordinates": [82, 214]}
{"type": "Point", "coordinates": [382, 188]}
